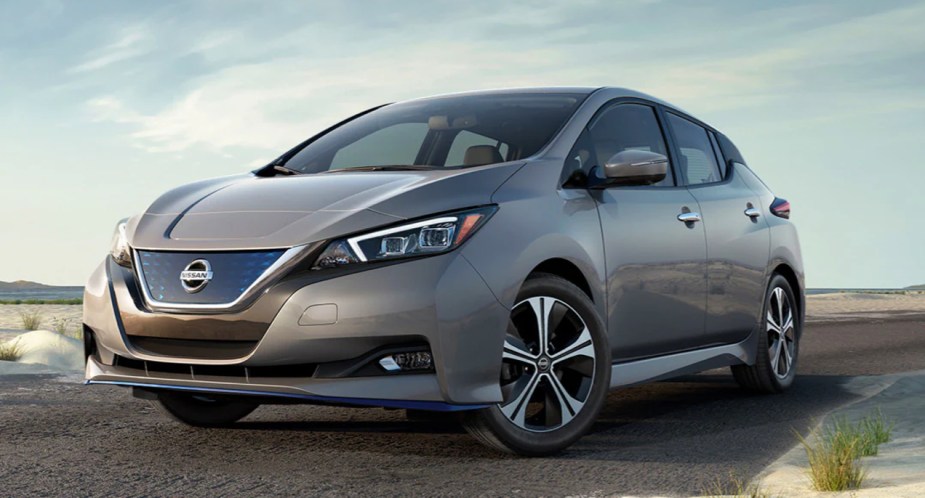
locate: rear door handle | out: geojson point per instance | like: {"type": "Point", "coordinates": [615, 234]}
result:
{"type": "Point", "coordinates": [752, 213]}
{"type": "Point", "coordinates": [689, 217]}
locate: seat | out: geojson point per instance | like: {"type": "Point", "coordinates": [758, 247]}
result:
{"type": "Point", "coordinates": [479, 155]}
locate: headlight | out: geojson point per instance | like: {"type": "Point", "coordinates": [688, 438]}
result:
{"type": "Point", "coordinates": [435, 235]}
{"type": "Point", "coordinates": [119, 250]}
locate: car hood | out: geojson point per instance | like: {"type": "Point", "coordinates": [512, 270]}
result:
{"type": "Point", "coordinates": [250, 212]}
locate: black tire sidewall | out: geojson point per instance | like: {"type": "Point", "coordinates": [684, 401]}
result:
{"type": "Point", "coordinates": [778, 383]}
{"type": "Point", "coordinates": [189, 410]}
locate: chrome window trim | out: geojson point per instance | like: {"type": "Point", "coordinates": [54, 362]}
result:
{"type": "Point", "coordinates": [283, 262]}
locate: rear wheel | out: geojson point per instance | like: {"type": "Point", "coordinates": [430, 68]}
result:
{"type": "Point", "coordinates": [779, 346]}
{"type": "Point", "coordinates": [202, 411]}
{"type": "Point", "coordinates": [555, 372]}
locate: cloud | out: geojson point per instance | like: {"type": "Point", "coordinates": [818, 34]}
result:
{"type": "Point", "coordinates": [133, 42]}
{"type": "Point", "coordinates": [308, 81]}
{"type": "Point", "coordinates": [275, 104]}
{"type": "Point", "coordinates": [813, 92]}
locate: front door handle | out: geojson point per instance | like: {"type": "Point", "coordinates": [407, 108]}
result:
{"type": "Point", "coordinates": [689, 217]}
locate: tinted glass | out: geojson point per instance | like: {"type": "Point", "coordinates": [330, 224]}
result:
{"type": "Point", "coordinates": [396, 144]}
{"type": "Point", "coordinates": [697, 161]}
{"type": "Point", "coordinates": [618, 128]}
{"type": "Point", "coordinates": [425, 132]}
{"type": "Point", "coordinates": [719, 154]}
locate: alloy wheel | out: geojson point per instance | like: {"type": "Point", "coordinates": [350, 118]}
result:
{"type": "Point", "coordinates": [781, 332]}
{"type": "Point", "coordinates": [548, 365]}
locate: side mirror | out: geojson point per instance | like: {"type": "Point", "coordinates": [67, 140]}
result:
{"type": "Point", "coordinates": [635, 167]}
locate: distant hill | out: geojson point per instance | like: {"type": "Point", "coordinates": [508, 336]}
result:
{"type": "Point", "coordinates": [916, 287]}
{"type": "Point", "coordinates": [23, 291]}
{"type": "Point", "coordinates": [25, 285]}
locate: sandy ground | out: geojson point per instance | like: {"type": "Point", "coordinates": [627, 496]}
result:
{"type": "Point", "coordinates": [899, 468]}
{"type": "Point", "coordinates": [844, 306]}
{"type": "Point", "coordinates": [44, 351]}
{"type": "Point", "coordinates": [10, 314]}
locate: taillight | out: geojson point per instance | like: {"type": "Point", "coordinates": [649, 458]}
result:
{"type": "Point", "coordinates": [781, 207]}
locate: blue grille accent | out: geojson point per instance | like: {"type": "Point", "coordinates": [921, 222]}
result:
{"type": "Point", "coordinates": [233, 273]}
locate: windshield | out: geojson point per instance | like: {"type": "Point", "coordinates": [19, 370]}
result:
{"type": "Point", "coordinates": [454, 131]}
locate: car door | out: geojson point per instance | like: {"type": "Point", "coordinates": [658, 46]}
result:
{"type": "Point", "coordinates": [656, 290]}
{"type": "Point", "coordinates": [737, 235]}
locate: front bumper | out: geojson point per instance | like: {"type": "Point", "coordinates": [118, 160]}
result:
{"type": "Point", "coordinates": [440, 302]}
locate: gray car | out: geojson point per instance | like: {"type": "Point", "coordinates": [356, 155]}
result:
{"type": "Point", "coordinates": [508, 255]}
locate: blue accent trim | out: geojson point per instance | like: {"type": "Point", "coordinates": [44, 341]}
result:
{"type": "Point", "coordinates": [385, 403]}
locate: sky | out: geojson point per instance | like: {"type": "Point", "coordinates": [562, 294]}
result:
{"type": "Point", "coordinates": [104, 105]}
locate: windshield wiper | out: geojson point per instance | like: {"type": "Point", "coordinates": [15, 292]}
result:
{"type": "Point", "coordinates": [390, 167]}
{"type": "Point", "coordinates": [277, 169]}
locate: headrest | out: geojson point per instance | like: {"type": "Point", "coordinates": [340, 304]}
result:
{"type": "Point", "coordinates": [478, 155]}
{"type": "Point", "coordinates": [458, 123]}
{"type": "Point", "coordinates": [438, 123]}
{"type": "Point", "coordinates": [606, 149]}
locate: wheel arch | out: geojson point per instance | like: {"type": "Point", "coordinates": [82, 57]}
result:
{"type": "Point", "coordinates": [789, 274]}
{"type": "Point", "coordinates": [569, 271]}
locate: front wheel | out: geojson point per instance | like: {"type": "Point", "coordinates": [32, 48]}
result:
{"type": "Point", "coordinates": [779, 345]}
{"type": "Point", "coordinates": [202, 411]}
{"type": "Point", "coordinates": [555, 372]}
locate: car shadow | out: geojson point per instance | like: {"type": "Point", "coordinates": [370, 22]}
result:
{"type": "Point", "coordinates": [691, 419]}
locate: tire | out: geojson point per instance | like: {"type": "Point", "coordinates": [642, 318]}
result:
{"type": "Point", "coordinates": [202, 411]}
{"type": "Point", "coordinates": [774, 370]}
{"type": "Point", "coordinates": [552, 394]}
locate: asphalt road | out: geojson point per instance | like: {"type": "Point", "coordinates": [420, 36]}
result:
{"type": "Point", "coordinates": [59, 438]}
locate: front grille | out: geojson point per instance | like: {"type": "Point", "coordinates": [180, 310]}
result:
{"type": "Point", "coordinates": [304, 370]}
{"type": "Point", "coordinates": [232, 274]}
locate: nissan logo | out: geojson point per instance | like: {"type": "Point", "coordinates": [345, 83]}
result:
{"type": "Point", "coordinates": [196, 276]}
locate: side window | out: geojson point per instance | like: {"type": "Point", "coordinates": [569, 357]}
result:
{"type": "Point", "coordinates": [697, 161]}
{"type": "Point", "coordinates": [394, 145]}
{"type": "Point", "coordinates": [618, 128]}
{"type": "Point", "coordinates": [465, 139]}
{"type": "Point", "coordinates": [723, 167]}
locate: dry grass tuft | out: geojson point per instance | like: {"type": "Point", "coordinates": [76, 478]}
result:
{"type": "Point", "coordinates": [10, 350]}
{"type": "Point", "coordinates": [61, 326]}
{"type": "Point", "coordinates": [734, 486]}
{"type": "Point", "coordinates": [64, 327]}
{"type": "Point", "coordinates": [834, 464]}
{"type": "Point", "coordinates": [875, 430]}
{"type": "Point", "coordinates": [31, 320]}
{"type": "Point", "coordinates": [835, 455]}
